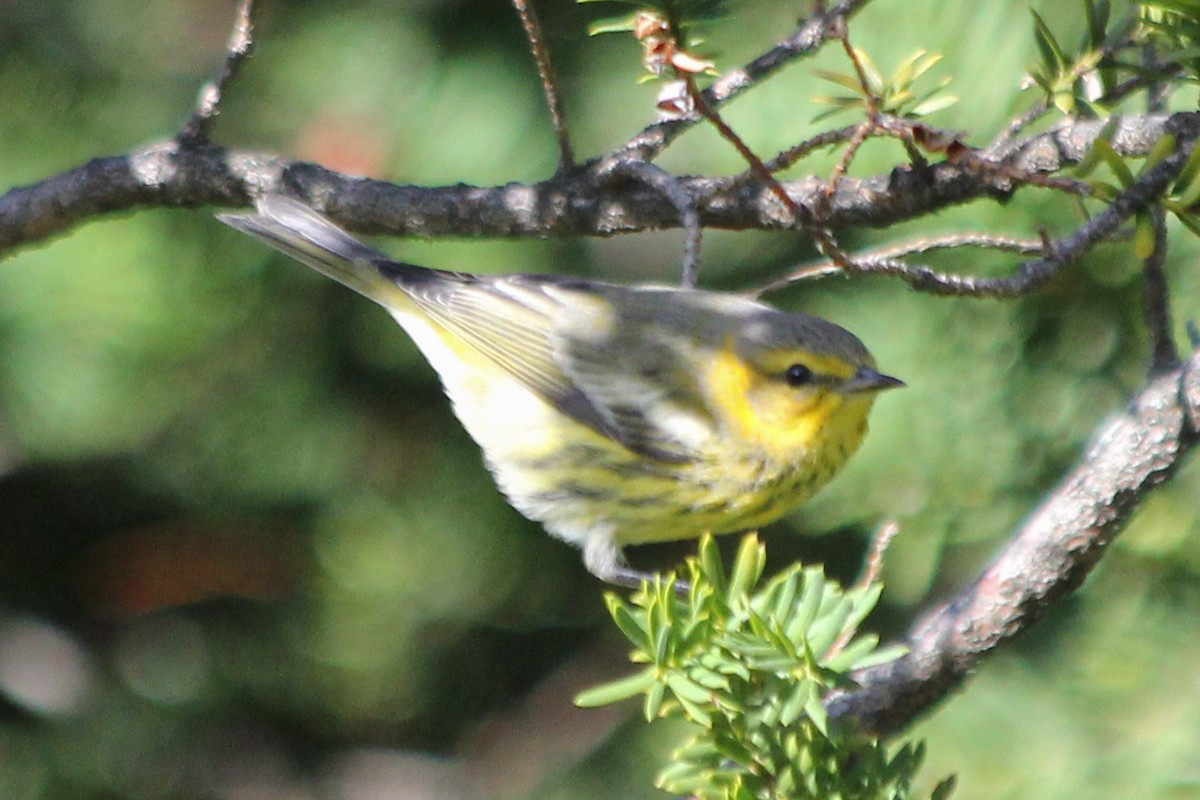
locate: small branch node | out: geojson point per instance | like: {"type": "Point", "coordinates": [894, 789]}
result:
{"type": "Point", "coordinates": [198, 129]}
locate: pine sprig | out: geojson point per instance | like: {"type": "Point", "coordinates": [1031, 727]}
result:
{"type": "Point", "coordinates": [748, 664]}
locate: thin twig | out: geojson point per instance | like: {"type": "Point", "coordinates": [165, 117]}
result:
{"type": "Point", "coordinates": [872, 570]}
{"type": "Point", "coordinates": [197, 130]}
{"type": "Point", "coordinates": [1156, 98]}
{"type": "Point", "coordinates": [827, 243]}
{"type": "Point", "coordinates": [826, 267]}
{"type": "Point", "coordinates": [860, 71]}
{"type": "Point", "coordinates": [1163, 355]}
{"type": "Point", "coordinates": [550, 85]}
{"type": "Point", "coordinates": [756, 165]}
{"type": "Point", "coordinates": [861, 134]}
{"type": "Point", "coordinates": [823, 237]}
{"type": "Point", "coordinates": [1014, 129]}
{"type": "Point", "coordinates": [670, 187]}
{"type": "Point", "coordinates": [937, 139]}
{"type": "Point", "coordinates": [880, 542]}
{"type": "Point", "coordinates": [1140, 82]}
{"type": "Point", "coordinates": [794, 154]}
{"type": "Point", "coordinates": [1032, 275]}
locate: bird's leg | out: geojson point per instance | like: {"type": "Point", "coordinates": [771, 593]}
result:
{"type": "Point", "coordinates": [633, 579]}
{"type": "Point", "coordinates": [603, 559]}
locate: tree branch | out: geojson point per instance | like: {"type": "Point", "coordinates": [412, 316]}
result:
{"type": "Point", "coordinates": [1032, 275]}
{"type": "Point", "coordinates": [584, 202]}
{"type": "Point", "coordinates": [1049, 556]}
{"type": "Point", "coordinates": [870, 260]}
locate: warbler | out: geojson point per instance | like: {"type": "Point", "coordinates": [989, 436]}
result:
{"type": "Point", "coordinates": [613, 414]}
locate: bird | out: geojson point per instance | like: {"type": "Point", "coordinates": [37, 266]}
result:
{"type": "Point", "coordinates": [615, 414]}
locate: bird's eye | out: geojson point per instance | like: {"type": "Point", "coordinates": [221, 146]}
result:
{"type": "Point", "coordinates": [798, 375]}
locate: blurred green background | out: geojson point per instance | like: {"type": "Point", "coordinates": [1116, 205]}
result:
{"type": "Point", "coordinates": [247, 553]}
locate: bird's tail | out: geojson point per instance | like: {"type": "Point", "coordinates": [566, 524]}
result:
{"type": "Point", "coordinates": [295, 229]}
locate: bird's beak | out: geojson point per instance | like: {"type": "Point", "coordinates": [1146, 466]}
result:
{"type": "Point", "coordinates": [869, 380]}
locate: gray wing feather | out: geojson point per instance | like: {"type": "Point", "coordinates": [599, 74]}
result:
{"type": "Point", "coordinates": [560, 339]}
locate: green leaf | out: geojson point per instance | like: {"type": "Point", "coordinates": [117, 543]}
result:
{"type": "Point", "coordinates": [1145, 236]}
{"type": "Point", "coordinates": [655, 693]}
{"type": "Point", "coordinates": [662, 642]}
{"type": "Point", "coordinates": [1104, 190]}
{"type": "Point", "coordinates": [611, 24]}
{"type": "Point", "coordinates": [810, 604]}
{"type": "Point", "coordinates": [828, 628]}
{"type": "Point", "coordinates": [616, 691]}
{"type": "Point", "coordinates": [932, 105]}
{"type": "Point", "coordinates": [1043, 82]}
{"type": "Point", "coordinates": [1191, 222]}
{"type": "Point", "coordinates": [926, 62]}
{"type": "Point", "coordinates": [1161, 149]}
{"type": "Point", "coordinates": [686, 689]}
{"type": "Point", "coordinates": [1052, 54]}
{"type": "Point", "coordinates": [817, 713]}
{"type": "Point", "coordinates": [1189, 8]}
{"type": "Point", "coordinates": [709, 679]}
{"type": "Point", "coordinates": [906, 73]}
{"type": "Point", "coordinates": [1114, 162]}
{"type": "Point", "coordinates": [633, 626]}
{"type": "Point", "coordinates": [848, 81]}
{"type": "Point", "coordinates": [681, 777]}
{"type": "Point", "coordinates": [944, 789]}
{"type": "Point", "coordinates": [1091, 159]}
{"type": "Point", "coordinates": [840, 104]}
{"type": "Point", "coordinates": [699, 713]}
{"type": "Point", "coordinates": [1097, 21]}
{"type": "Point", "coordinates": [711, 568]}
{"type": "Point", "coordinates": [874, 78]}
{"type": "Point", "coordinates": [880, 655]}
{"type": "Point", "coordinates": [856, 650]}
{"type": "Point", "coordinates": [747, 566]}
{"type": "Point", "coordinates": [1188, 177]}
{"type": "Point", "coordinates": [768, 714]}
{"type": "Point", "coordinates": [863, 601]}
{"type": "Point", "coordinates": [785, 589]}
{"type": "Point", "coordinates": [1122, 31]}
{"type": "Point", "coordinates": [793, 707]}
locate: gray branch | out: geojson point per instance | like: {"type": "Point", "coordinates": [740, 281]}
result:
{"type": "Point", "coordinates": [583, 202]}
{"type": "Point", "coordinates": [1049, 557]}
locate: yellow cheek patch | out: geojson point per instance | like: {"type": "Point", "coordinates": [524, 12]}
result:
{"type": "Point", "coordinates": [768, 413]}
{"type": "Point", "coordinates": [729, 381]}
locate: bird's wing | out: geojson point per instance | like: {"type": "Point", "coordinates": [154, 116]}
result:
{"type": "Point", "coordinates": [567, 345]}
{"type": "Point", "coordinates": [508, 320]}
{"type": "Point", "coordinates": [643, 386]}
